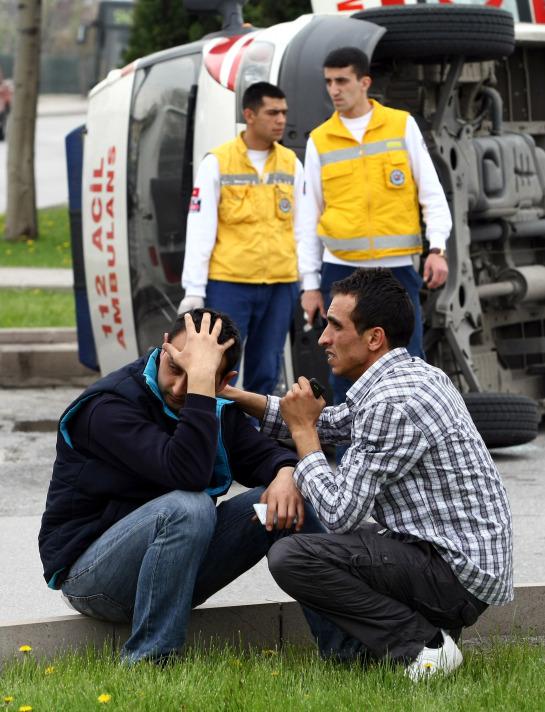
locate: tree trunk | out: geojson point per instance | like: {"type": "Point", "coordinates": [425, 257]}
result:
{"type": "Point", "coordinates": [21, 199]}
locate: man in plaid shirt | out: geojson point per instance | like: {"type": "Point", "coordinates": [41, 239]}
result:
{"type": "Point", "coordinates": [440, 548]}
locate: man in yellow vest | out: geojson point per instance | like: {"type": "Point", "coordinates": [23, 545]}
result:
{"type": "Point", "coordinates": [240, 246]}
{"type": "Point", "coordinates": [367, 172]}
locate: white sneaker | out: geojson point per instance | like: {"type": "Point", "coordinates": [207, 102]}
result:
{"type": "Point", "coordinates": [431, 660]}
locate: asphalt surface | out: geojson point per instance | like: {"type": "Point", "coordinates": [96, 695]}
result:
{"type": "Point", "coordinates": [57, 115]}
{"type": "Point", "coordinates": [27, 451]}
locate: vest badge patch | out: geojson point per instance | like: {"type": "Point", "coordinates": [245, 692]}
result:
{"type": "Point", "coordinates": [397, 177]}
{"type": "Point", "coordinates": [285, 205]}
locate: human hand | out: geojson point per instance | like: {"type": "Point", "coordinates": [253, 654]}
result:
{"type": "Point", "coordinates": [435, 271]}
{"type": "Point", "coordinates": [300, 409]}
{"type": "Point", "coordinates": [284, 501]}
{"type": "Point", "coordinates": [312, 303]}
{"type": "Point", "coordinates": [201, 354]}
{"type": "Point", "coordinates": [190, 302]}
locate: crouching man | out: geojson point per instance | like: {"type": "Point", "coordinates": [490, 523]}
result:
{"type": "Point", "coordinates": [131, 531]}
{"type": "Point", "coordinates": [440, 548]}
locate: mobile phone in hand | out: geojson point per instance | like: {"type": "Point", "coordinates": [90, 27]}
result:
{"type": "Point", "coordinates": [317, 388]}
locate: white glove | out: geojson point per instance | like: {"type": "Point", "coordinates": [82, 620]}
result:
{"type": "Point", "coordinates": [189, 302]}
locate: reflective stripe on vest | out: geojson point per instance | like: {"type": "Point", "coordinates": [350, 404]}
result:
{"type": "Point", "coordinates": [367, 149]}
{"type": "Point", "coordinates": [280, 178]}
{"type": "Point", "coordinates": [239, 179]}
{"type": "Point", "coordinates": [378, 242]}
{"type": "Point", "coordinates": [251, 179]}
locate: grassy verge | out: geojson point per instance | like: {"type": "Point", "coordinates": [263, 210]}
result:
{"type": "Point", "coordinates": [36, 308]}
{"type": "Point", "coordinates": [51, 249]}
{"type": "Point", "coordinates": [504, 677]}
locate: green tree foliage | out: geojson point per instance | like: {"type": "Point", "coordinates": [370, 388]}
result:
{"type": "Point", "coordinates": [263, 13]}
{"type": "Point", "coordinates": [159, 24]}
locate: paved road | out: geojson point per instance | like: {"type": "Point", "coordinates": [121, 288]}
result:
{"type": "Point", "coordinates": [27, 450]}
{"type": "Point", "coordinates": [57, 115]}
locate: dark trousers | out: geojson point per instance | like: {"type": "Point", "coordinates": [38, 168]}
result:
{"type": "Point", "coordinates": [263, 314]}
{"type": "Point", "coordinates": [381, 597]}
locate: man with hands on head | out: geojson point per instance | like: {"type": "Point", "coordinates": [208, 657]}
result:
{"type": "Point", "coordinates": [131, 531]}
{"type": "Point", "coordinates": [440, 548]}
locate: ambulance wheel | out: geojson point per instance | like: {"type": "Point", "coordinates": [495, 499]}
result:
{"type": "Point", "coordinates": [433, 32]}
{"type": "Point", "coordinates": [503, 419]}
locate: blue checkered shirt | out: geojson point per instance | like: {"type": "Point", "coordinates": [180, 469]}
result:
{"type": "Point", "coordinates": [417, 465]}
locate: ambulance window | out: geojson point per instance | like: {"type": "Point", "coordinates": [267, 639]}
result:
{"type": "Point", "coordinates": [159, 184]}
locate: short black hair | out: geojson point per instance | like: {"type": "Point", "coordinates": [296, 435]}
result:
{"type": "Point", "coordinates": [380, 301]}
{"type": "Point", "coordinates": [228, 331]}
{"type": "Point", "coordinates": [255, 93]}
{"type": "Point", "coordinates": [348, 57]}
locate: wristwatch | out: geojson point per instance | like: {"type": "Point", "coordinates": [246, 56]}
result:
{"type": "Point", "coordinates": [438, 251]}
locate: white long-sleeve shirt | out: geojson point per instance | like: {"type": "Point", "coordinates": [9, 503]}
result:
{"type": "Point", "coordinates": [431, 197]}
{"type": "Point", "coordinates": [202, 219]}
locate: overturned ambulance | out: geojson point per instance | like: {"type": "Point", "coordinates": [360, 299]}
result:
{"type": "Point", "coordinates": [469, 74]}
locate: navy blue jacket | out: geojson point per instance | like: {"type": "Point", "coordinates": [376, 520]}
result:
{"type": "Point", "coordinates": [119, 446]}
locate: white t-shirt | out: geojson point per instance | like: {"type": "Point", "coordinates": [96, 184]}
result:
{"type": "Point", "coordinates": [202, 219]}
{"type": "Point", "coordinates": [431, 197]}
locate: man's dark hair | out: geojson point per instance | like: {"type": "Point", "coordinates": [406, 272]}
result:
{"type": "Point", "coordinates": [380, 301]}
{"type": "Point", "coordinates": [348, 57]}
{"type": "Point", "coordinates": [228, 331]}
{"type": "Point", "coordinates": [255, 93]}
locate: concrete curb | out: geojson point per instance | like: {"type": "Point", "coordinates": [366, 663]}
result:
{"type": "Point", "coordinates": [260, 624]}
{"type": "Point", "coordinates": [32, 358]}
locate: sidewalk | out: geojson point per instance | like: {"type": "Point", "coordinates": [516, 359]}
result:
{"type": "Point", "coordinates": [61, 104]}
{"type": "Point", "coordinates": [36, 278]}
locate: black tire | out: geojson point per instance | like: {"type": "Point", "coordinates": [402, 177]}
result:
{"type": "Point", "coordinates": [437, 31]}
{"type": "Point", "coordinates": [503, 419]}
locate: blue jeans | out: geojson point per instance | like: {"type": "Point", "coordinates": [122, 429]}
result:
{"type": "Point", "coordinates": [263, 314]}
{"type": "Point", "coordinates": [412, 282]}
{"type": "Point", "coordinates": [166, 557]}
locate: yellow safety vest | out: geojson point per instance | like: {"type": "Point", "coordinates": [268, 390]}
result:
{"type": "Point", "coordinates": [255, 239]}
{"type": "Point", "coordinates": [370, 197]}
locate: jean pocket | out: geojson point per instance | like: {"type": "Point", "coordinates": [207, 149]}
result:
{"type": "Point", "coordinates": [101, 607]}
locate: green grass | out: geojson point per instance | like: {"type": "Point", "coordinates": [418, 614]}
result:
{"type": "Point", "coordinates": [36, 307]}
{"type": "Point", "coordinates": [503, 677]}
{"type": "Point", "coordinates": [51, 249]}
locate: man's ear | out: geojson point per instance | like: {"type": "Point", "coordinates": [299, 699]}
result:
{"type": "Point", "coordinates": [376, 338]}
{"type": "Point", "coordinates": [225, 380]}
{"type": "Point", "coordinates": [366, 82]}
{"type": "Point", "coordinates": [248, 115]}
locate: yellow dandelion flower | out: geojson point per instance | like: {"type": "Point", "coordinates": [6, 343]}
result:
{"type": "Point", "coordinates": [104, 698]}
{"type": "Point", "coordinates": [25, 708]}
{"type": "Point", "coordinates": [428, 666]}
{"type": "Point", "coordinates": [275, 673]}
{"type": "Point", "coordinates": [25, 648]}
{"type": "Point", "coordinates": [8, 699]}
{"type": "Point", "coordinates": [30, 242]}
{"type": "Point", "coordinates": [236, 662]}
{"type": "Point", "coordinates": [66, 245]}
{"type": "Point", "coordinates": [49, 670]}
